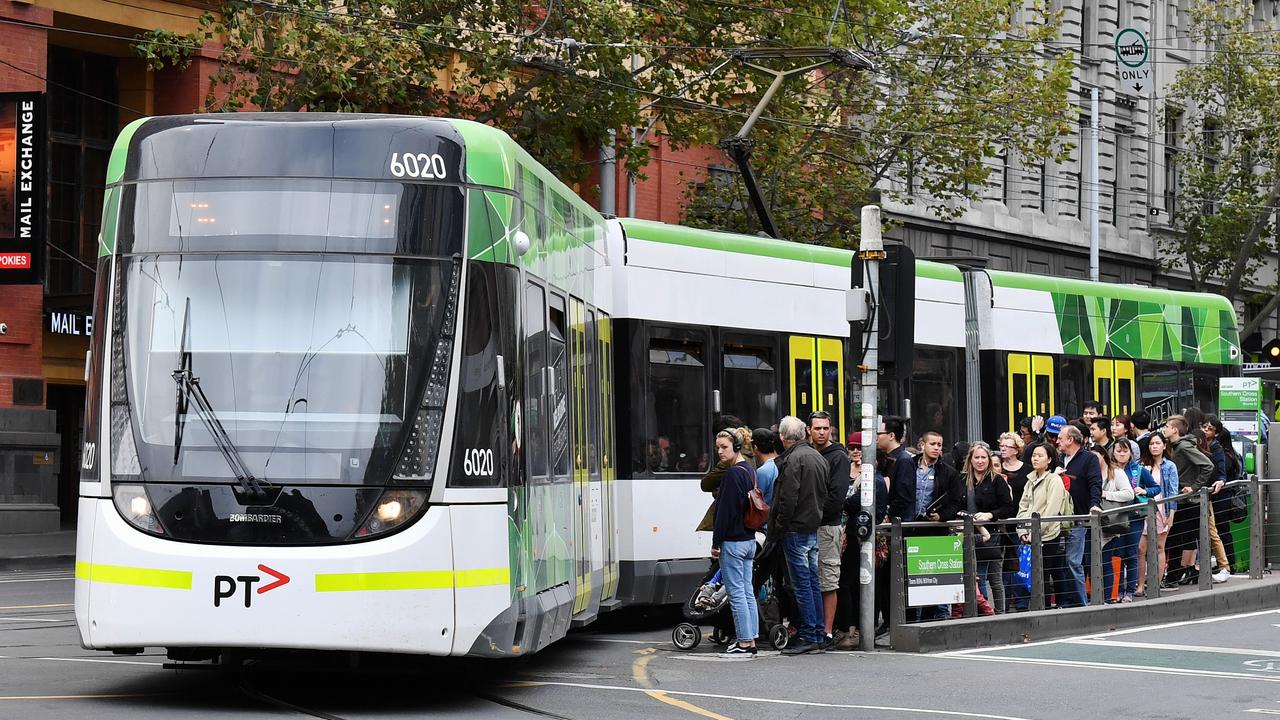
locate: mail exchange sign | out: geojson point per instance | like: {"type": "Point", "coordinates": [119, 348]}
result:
{"type": "Point", "coordinates": [23, 158]}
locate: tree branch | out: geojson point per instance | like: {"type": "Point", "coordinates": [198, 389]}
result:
{"type": "Point", "coordinates": [1252, 326]}
{"type": "Point", "coordinates": [1260, 221]}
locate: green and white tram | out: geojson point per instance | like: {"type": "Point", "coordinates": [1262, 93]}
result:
{"type": "Point", "coordinates": [355, 386]}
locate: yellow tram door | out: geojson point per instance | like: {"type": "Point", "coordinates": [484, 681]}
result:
{"type": "Point", "coordinates": [803, 351]}
{"type": "Point", "coordinates": [1126, 389]}
{"type": "Point", "coordinates": [1019, 383]}
{"type": "Point", "coordinates": [817, 379]}
{"type": "Point", "coordinates": [831, 382]}
{"type": "Point", "coordinates": [1030, 380]}
{"type": "Point", "coordinates": [1113, 383]}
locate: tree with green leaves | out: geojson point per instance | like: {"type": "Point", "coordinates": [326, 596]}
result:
{"type": "Point", "coordinates": [1222, 112]}
{"type": "Point", "coordinates": [955, 85]}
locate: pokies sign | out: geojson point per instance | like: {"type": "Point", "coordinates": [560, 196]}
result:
{"type": "Point", "coordinates": [22, 187]}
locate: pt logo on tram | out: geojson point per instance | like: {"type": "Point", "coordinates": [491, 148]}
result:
{"type": "Point", "coordinates": [226, 586]}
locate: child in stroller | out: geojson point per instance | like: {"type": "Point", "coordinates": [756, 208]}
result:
{"type": "Point", "coordinates": [709, 604]}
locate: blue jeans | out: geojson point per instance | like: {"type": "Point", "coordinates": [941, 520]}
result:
{"type": "Point", "coordinates": [1129, 557]}
{"type": "Point", "coordinates": [801, 550]}
{"type": "Point", "coordinates": [1016, 594]}
{"type": "Point", "coordinates": [1075, 595]}
{"type": "Point", "coordinates": [735, 567]}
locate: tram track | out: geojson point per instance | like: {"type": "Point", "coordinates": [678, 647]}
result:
{"type": "Point", "coordinates": [247, 688]}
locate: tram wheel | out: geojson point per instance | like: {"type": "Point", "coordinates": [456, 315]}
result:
{"type": "Point", "coordinates": [686, 636]}
{"type": "Point", "coordinates": [779, 636]}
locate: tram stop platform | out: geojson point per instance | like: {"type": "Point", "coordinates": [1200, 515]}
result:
{"type": "Point", "coordinates": [30, 550]}
{"type": "Point", "coordinates": [1241, 594]}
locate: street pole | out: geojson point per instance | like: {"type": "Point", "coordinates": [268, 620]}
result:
{"type": "Point", "coordinates": [871, 251]}
{"type": "Point", "coordinates": [1093, 188]}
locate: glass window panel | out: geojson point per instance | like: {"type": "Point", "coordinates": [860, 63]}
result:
{"type": "Point", "coordinates": [677, 417]}
{"type": "Point", "coordinates": [750, 391]}
{"type": "Point", "coordinates": [933, 384]}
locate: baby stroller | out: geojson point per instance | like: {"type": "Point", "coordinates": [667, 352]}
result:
{"type": "Point", "coordinates": [709, 604]}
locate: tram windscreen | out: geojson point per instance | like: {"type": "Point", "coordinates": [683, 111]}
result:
{"type": "Point", "coordinates": [313, 364]}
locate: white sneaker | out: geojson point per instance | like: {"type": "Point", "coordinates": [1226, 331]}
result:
{"type": "Point", "coordinates": [1222, 576]}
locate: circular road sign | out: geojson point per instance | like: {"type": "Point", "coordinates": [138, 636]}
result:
{"type": "Point", "coordinates": [1131, 48]}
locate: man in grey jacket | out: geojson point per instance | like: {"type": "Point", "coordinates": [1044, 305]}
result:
{"type": "Point", "coordinates": [1195, 470]}
{"type": "Point", "coordinates": [798, 497]}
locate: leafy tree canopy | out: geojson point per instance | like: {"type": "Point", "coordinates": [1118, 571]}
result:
{"type": "Point", "coordinates": [957, 83]}
{"type": "Point", "coordinates": [1222, 112]}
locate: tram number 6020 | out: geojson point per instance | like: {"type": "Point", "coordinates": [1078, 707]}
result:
{"type": "Point", "coordinates": [419, 165]}
{"type": "Point", "coordinates": [477, 463]}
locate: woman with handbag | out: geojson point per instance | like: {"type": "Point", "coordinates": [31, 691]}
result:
{"type": "Point", "coordinates": [987, 497]}
{"type": "Point", "coordinates": [1117, 492]}
{"type": "Point", "coordinates": [733, 542]}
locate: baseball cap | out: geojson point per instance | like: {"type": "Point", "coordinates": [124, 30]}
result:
{"type": "Point", "coordinates": [855, 440]}
{"type": "Point", "coordinates": [1054, 424]}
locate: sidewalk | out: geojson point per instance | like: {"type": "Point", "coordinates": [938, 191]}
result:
{"type": "Point", "coordinates": [1239, 595]}
{"type": "Point", "coordinates": [37, 550]}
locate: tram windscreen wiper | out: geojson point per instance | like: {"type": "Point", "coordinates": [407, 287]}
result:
{"type": "Point", "coordinates": [189, 390]}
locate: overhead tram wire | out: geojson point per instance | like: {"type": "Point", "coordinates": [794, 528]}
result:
{"type": "Point", "coordinates": [822, 127]}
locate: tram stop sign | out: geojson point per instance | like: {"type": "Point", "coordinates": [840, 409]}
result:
{"type": "Point", "coordinates": [1133, 62]}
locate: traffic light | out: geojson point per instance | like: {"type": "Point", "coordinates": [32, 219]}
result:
{"type": "Point", "coordinates": [1271, 352]}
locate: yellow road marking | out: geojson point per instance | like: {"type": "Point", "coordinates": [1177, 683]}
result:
{"type": "Point", "coordinates": [74, 697]}
{"type": "Point", "coordinates": [639, 671]}
{"type": "Point", "coordinates": [662, 697]}
{"type": "Point", "coordinates": [31, 607]}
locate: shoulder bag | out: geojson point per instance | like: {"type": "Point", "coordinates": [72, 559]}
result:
{"type": "Point", "coordinates": [756, 514]}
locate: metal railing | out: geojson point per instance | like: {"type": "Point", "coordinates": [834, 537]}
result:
{"type": "Point", "coordinates": [1256, 519]}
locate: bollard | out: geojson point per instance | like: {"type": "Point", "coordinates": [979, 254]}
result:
{"type": "Point", "coordinates": [1205, 553]}
{"type": "Point", "coordinates": [1153, 552]}
{"type": "Point", "coordinates": [1037, 564]}
{"type": "Point", "coordinates": [1257, 556]}
{"type": "Point", "coordinates": [897, 581]}
{"type": "Point", "coordinates": [1096, 585]}
{"type": "Point", "coordinates": [970, 570]}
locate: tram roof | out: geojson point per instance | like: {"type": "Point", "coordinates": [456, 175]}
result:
{"type": "Point", "coordinates": [735, 242]}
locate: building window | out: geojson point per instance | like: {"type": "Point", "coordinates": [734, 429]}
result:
{"type": "Point", "coordinates": [83, 121]}
{"type": "Point", "coordinates": [1172, 128]}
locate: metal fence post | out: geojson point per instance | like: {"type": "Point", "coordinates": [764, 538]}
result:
{"type": "Point", "coordinates": [1205, 553]}
{"type": "Point", "coordinates": [1153, 551]}
{"type": "Point", "coordinates": [1257, 555]}
{"type": "Point", "coordinates": [897, 579]}
{"type": "Point", "coordinates": [1037, 564]}
{"type": "Point", "coordinates": [970, 570]}
{"type": "Point", "coordinates": [1095, 559]}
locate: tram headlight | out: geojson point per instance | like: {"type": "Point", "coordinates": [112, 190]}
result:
{"type": "Point", "coordinates": [136, 508]}
{"type": "Point", "coordinates": [395, 508]}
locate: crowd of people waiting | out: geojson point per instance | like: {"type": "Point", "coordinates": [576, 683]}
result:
{"type": "Point", "coordinates": [1052, 467]}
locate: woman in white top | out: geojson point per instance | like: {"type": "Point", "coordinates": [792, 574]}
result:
{"type": "Point", "coordinates": [1116, 488]}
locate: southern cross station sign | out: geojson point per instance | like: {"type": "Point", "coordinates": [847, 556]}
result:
{"type": "Point", "coordinates": [1133, 57]}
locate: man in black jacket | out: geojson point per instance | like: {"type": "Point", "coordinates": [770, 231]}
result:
{"type": "Point", "coordinates": [1086, 496]}
{"type": "Point", "coordinates": [924, 489]}
{"type": "Point", "coordinates": [919, 483]}
{"type": "Point", "coordinates": [831, 531]}
{"type": "Point", "coordinates": [799, 495]}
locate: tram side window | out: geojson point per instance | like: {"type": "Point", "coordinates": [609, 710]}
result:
{"type": "Point", "coordinates": [1159, 390]}
{"type": "Point", "coordinates": [750, 388]}
{"type": "Point", "coordinates": [1073, 387]}
{"type": "Point", "coordinates": [535, 426]}
{"type": "Point", "coordinates": [558, 388]}
{"type": "Point", "coordinates": [593, 396]}
{"type": "Point", "coordinates": [480, 430]}
{"type": "Point", "coordinates": [1204, 387]}
{"type": "Point", "coordinates": [677, 419]}
{"type": "Point", "coordinates": [934, 379]}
